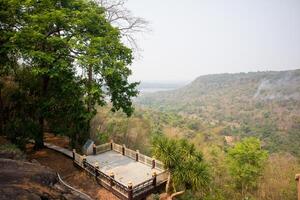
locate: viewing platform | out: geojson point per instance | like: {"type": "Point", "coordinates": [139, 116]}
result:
{"type": "Point", "coordinates": [126, 173]}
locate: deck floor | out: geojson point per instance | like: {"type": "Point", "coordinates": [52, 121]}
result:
{"type": "Point", "coordinates": [124, 168]}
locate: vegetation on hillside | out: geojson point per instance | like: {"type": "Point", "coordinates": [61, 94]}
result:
{"type": "Point", "coordinates": [260, 104]}
{"type": "Point", "coordinates": [275, 177]}
{"type": "Point", "coordinates": [246, 161]}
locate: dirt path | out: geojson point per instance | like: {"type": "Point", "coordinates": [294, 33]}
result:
{"type": "Point", "coordinates": [69, 173]}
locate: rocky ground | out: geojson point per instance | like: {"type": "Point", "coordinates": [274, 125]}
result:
{"type": "Point", "coordinates": [25, 180]}
{"type": "Point", "coordinates": [21, 179]}
{"type": "Point", "coordinates": [33, 175]}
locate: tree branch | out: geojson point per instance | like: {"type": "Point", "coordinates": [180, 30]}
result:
{"type": "Point", "coordinates": [176, 194]}
{"type": "Point", "coordinates": [123, 19]}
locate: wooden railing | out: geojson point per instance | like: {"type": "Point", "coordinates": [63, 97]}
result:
{"type": "Point", "coordinates": [103, 148]}
{"type": "Point", "coordinates": [135, 155]}
{"type": "Point", "coordinates": [162, 177]}
{"type": "Point", "coordinates": [117, 147]}
{"type": "Point", "coordinates": [116, 187]}
{"type": "Point", "coordinates": [145, 159]}
{"type": "Point", "coordinates": [128, 192]}
{"type": "Point", "coordinates": [140, 188]}
{"type": "Point", "coordinates": [77, 158]}
{"type": "Point", "coordinates": [159, 165]}
{"type": "Point", "coordinates": [130, 153]}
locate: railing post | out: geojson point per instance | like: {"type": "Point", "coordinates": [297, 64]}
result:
{"type": "Point", "coordinates": [111, 144]}
{"type": "Point", "coordinates": [137, 155]}
{"type": "Point", "coordinates": [153, 163]}
{"type": "Point", "coordinates": [96, 170]}
{"type": "Point", "coordinates": [94, 149]}
{"type": "Point", "coordinates": [112, 176]}
{"type": "Point", "coordinates": [298, 184]}
{"type": "Point", "coordinates": [123, 149]}
{"type": "Point", "coordinates": [74, 151]}
{"type": "Point", "coordinates": [130, 191]}
{"type": "Point", "coordinates": [154, 175]}
{"type": "Point", "coordinates": [83, 160]}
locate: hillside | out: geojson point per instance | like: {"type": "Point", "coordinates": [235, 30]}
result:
{"type": "Point", "coordinates": [263, 104]}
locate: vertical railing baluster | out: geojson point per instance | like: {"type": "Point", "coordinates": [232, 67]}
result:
{"type": "Point", "coordinates": [130, 191]}
{"type": "Point", "coordinates": [154, 176]}
{"type": "Point", "coordinates": [298, 185]}
{"type": "Point", "coordinates": [137, 155]}
{"type": "Point", "coordinates": [153, 163]}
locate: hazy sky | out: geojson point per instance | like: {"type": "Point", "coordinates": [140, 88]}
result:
{"type": "Point", "coordinates": [196, 37]}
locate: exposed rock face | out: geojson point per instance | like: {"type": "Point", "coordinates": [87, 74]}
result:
{"type": "Point", "coordinates": [25, 180]}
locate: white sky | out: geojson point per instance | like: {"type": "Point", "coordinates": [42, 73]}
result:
{"type": "Point", "coordinates": [190, 38]}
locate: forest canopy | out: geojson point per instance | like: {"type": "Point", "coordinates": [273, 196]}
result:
{"type": "Point", "coordinates": [59, 59]}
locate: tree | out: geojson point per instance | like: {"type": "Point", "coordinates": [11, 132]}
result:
{"type": "Point", "coordinates": [55, 41]}
{"type": "Point", "coordinates": [121, 18]}
{"type": "Point", "coordinates": [128, 26]}
{"type": "Point", "coordinates": [187, 169]}
{"type": "Point", "coordinates": [246, 161]}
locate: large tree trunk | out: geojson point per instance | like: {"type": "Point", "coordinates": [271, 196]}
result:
{"type": "Point", "coordinates": [90, 79]}
{"type": "Point", "coordinates": [89, 103]}
{"type": "Point", "coordinates": [39, 139]}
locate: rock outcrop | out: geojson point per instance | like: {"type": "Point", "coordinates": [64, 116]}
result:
{"type": "Point", "coordinates": [21, 179]}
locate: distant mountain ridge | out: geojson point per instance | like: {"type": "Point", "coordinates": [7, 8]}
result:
{"type": "Point", "coordinates": [264, 104]}
{"type": "Point", "coordinates": [272, 85]}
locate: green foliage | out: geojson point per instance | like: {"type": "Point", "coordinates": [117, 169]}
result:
{"type": "Point", "coordinates": [277, 180]}
{"type": "Point", "coordinates": [246, 161]}
{"type": "Point", "coordinates": [186, 165]}
{"type": "Point", "coordinates": [155, 196]}
{"type": "Point", "coordinates": [53, 42]}
{"type": "Point", "coordinates": [11, 151]}
{"type": "Point", "coordinates": [258, 104]}
{"type": "Point", "coordinates": [102, 138]}
{"type": "Point", "coordinates": [9, 148]}
{"type": "Point", "coordinates": [188, 195]}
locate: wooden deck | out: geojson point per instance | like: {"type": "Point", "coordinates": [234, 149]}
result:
{"type": "Point", "coordinates": [126, 173]}
{"type": "Point", "coordinates": [124, 168]}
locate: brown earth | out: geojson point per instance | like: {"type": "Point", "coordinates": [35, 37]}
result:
{"type": "Point", "coordinates": [72, 175]}
{"type": "Point", "coordinates": [58, 140]}
{"type": "Point", "coordinates": [35, 177]}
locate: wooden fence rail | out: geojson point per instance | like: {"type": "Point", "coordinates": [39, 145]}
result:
{"type": "Point", "coordinates": [103, 148]}
{"type": "Point", "coordinates": [117, 147]}
{"type": "Point", "coordinates": [124, 192]}
{"type": "Point", "coordinates": [135, 155]}
{"type": "Point", "coordinates": [130, 153]}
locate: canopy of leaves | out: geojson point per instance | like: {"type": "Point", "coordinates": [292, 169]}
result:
{"type": "Point", "coordinates": [185, 163]}
{"type": "Point", "coordinates": [246, 161]}
{"type": "Point", "coordinates": [46, 48]}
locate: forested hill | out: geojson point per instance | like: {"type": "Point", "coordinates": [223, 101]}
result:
{"type": "Point", "coordinates": [263, 104]}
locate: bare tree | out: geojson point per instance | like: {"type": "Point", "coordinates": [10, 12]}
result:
{"type": "Point", "coordinates": [129, 26]}
{"type": "Point", "coordinates": [123, 19]}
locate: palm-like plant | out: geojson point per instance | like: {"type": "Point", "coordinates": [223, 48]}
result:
{"type": "Point", "coordinates": [187, 169]}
